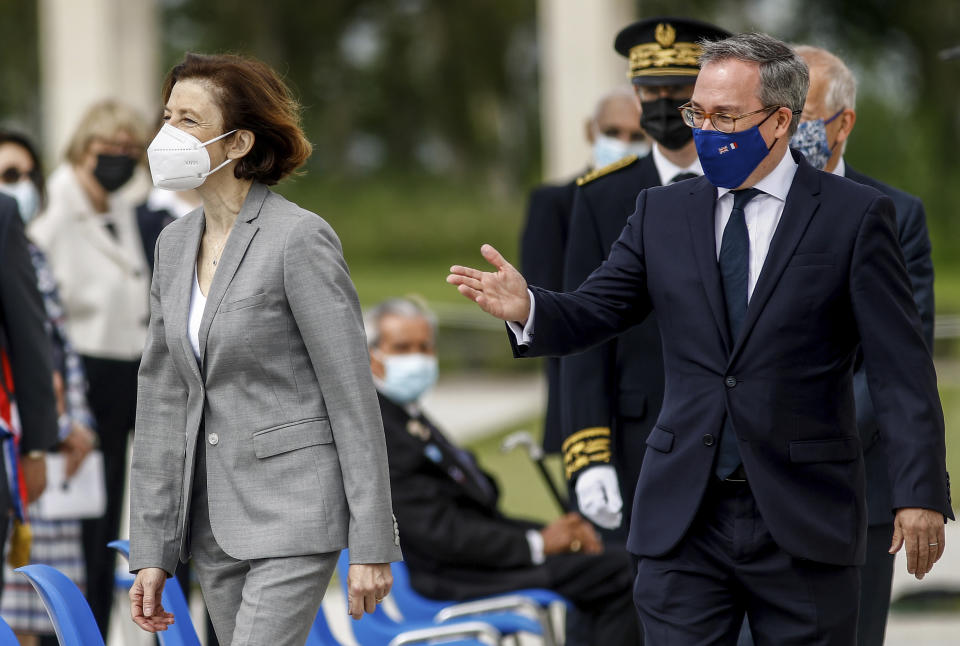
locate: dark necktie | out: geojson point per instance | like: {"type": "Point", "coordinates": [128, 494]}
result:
{"type": "Point", "coordinates": [679, 177]}
{"type": "Point", "coordinates": [735, 271]}
{"type": "Point", "coordinates": [112, 230]}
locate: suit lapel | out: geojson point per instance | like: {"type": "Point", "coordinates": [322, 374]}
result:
{"type": "Point", "coordinates": [182, 289]}
{"type": "Point", "coordinates": [240, 236]}
{"type": "Point", "coordinates": [700, 217]}
{"type": "Point", "coordinates": [799, 208]}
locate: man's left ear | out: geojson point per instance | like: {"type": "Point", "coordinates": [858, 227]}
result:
{"type": "Point", "coordinates": [847, 118]}
{"type": "Point", "coordinates": [240, 144]}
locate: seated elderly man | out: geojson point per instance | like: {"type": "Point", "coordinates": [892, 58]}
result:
{"type": "Point", "coordinates": [455, 541]}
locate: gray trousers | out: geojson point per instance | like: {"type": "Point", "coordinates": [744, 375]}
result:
{"type": "Point", "coordinates": [259, 601]}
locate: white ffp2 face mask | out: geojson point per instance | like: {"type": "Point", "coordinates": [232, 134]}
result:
{"type": "Point", "coordinates": [179, 161]}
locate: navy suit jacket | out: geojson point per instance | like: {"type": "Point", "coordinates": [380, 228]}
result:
{"type": "Point", "coordinates": [915, 244]}
{"type": "Point", "coordinates": [834, 281]}
{"type": "Point", "coordinates": [542, 247]}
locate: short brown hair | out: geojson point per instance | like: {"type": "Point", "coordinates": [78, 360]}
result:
{"type": "Point", "coordinates": [251, 97]}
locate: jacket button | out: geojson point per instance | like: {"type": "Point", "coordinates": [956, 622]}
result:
{"type": "Point", "coordinates": [214, 439]}
{"type": "Point", "coordinates": [708, 440]}
{"type": "Point", "coordinates": [730, 381]}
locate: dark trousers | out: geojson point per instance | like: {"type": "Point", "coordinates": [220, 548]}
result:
{"type": "Point", "coordinates": [876, 577]}
{"type": "Point", "coordinates": [728, 565]}
{"type": "Point", "coordinates": [112, 396]}
{"type": "Point", "coordinates": [599, 586]}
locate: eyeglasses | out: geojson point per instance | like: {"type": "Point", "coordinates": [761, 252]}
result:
{"type": "Point", "coordinates": [721, 121]}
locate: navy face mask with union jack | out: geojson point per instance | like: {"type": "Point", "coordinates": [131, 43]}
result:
{"type": "Point", "coordinates": [729, 158]}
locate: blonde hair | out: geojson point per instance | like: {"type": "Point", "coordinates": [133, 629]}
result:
{"type": "Point", "coordinates": [103, 120]}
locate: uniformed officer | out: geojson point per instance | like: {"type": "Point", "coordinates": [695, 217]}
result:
{"type": "Point", "coordinates": [611, 394]}
{"type": "Point", "coordinates": [613, 132]}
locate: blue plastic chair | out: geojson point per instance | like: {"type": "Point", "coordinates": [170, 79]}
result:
{"type": "Point", "coordinates": [379, 628]}
{"type": "Point", "coordinates": [413, 605]}
{"type": "Point", "coordinates": [71, 616]}
{"type": "Point", "coordinates": [7, 636]}
{"type": "Point", "coordinates": [181, 632]}
{"type": "Point", "coordinates": [320, 633]}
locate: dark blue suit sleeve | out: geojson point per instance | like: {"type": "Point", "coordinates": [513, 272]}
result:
{"type": "Point", "coordinates": [915, 245]}
{"type": "Point", "coordinates": [22, 322]}
{"type": "Point", "coordinates": [611, 300]}
{"type": "Point", "coordinates": [898, 365]}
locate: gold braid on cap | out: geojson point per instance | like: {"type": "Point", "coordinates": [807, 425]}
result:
{"type": "Point", "coordinates": [585, 447]}
{"type": "Point", "coordinates": [666, 57]}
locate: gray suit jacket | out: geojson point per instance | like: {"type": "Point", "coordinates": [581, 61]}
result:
{"type": "Point", "coordinates": [296, 458]}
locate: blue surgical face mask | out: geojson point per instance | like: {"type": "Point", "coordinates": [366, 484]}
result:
{"type": "Point", "coordinates": [27, 196]}
{"type": "Point", "coordinates": [407, 377]}
{"type": "Point", "coordinates": [729, 158]}
{"type": "Point", "coordinates": [811, 141]}
{"type": "Point", "coordinates": [607, 150]}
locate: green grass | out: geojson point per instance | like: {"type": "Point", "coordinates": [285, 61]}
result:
{"type": "Point", "coordinates": [523, 492]}
{"type": "Point", "coordinates": [946, 288]}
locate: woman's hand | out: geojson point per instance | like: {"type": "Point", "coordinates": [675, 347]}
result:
{"type": "Point", "coordinates": [367, 585]}
{"type": "Point", "coordinates": [76, 446]}
{"type": "Point", "coordinates": [146, 608]}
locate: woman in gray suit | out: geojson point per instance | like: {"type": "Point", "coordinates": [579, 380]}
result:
{"type": "Point", "coordinates": [259, 449]}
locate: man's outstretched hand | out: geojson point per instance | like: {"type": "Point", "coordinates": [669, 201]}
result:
{"type": "Point", "coordinates": [502, 293]}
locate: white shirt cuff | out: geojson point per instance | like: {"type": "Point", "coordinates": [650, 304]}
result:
{"type": "Point", "coordinates": [524, 335]}
{"type": "Point", "coordinates": [535, 539]}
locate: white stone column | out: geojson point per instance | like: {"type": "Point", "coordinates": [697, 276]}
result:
{"type": "Point", "coordinates": [577, 65]}
{"type": "Point", "coordinates": [92, 50]}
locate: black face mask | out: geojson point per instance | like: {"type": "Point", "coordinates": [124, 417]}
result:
{"type": "Point", "coordinates": [664, 124]}
{"type": "Point", "coordinates": [113, 171]}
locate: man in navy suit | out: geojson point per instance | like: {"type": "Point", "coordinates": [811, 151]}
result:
{"type": "Point", "coordinates": [825, 126]}
{"type": "Point", "coordinates": [767, 276]}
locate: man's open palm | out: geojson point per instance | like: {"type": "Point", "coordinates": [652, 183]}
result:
{"type": "Point", "coordinates": [502, 293]}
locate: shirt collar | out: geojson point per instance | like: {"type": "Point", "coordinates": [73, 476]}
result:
{"type": "Point", "coordinates": [841, 169]}
{"type": "Point", "coordinates": [667, 170]}
{"type": "Point", "coordinates": [777, 182]}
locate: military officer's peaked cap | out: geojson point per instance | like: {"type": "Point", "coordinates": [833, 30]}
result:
{"type": "Point", "coordinates": [665, 50]}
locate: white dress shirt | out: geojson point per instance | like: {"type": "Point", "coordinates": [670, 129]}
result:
{"type": "Point", "coordinates": [841, 168]}
{"type": "Point", "coordinates": [667, 170]}
{"type": "Point", "coordinates": [762, 215]}
{"type": "Point", "coordinates": [197, 304]}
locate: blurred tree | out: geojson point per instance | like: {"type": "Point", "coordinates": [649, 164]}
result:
{"type": "Point", "coordinates": [20, 99]}
{"type": "Point", "coordinates": [411, 84]}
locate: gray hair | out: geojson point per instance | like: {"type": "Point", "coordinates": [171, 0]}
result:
{"type": "Point", "coordinates": [784, 77]}
{"type": "Point", "coordinates": [402, 307]}
{"type": "Point", "coordinates": [841, 83]}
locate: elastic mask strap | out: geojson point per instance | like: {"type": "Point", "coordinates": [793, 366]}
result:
{"type": "Point", "coordinates": [211, 172]}
{"type": "Point", "coordinates": [207, 143]}
{"type": "Point", "coordinates": [839, 112]}
{"type": "Point", "coordinates": [218, 138]}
